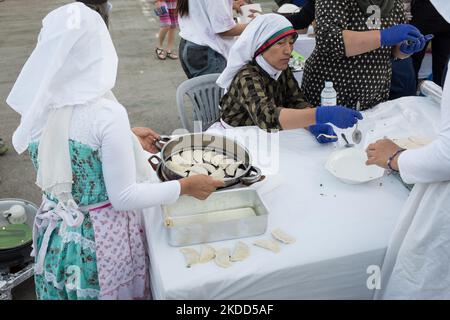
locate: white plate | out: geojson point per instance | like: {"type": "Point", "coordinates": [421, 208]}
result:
{"type": "Point", "coordinates": [349, 165]}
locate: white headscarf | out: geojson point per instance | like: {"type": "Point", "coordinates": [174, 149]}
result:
{"type": "Point", "coordinates": [259, 35]}
{"type": "Point", "coordinates": [74, 63]}
{"type": "Point", "coordinates": [443, 7]}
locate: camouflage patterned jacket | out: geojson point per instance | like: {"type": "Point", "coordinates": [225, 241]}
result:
{"type": "Point", "coordinates": [254, 98]}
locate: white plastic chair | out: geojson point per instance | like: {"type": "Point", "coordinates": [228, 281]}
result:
{"type": "Point", "coordinates": [205, 96]}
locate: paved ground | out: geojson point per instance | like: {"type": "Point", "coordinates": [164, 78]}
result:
{"type": "Point", "coordinates": [145, 85]}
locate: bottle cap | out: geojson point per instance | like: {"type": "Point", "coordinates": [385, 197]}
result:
{"type": "Point", "coordinates": [328, 84]}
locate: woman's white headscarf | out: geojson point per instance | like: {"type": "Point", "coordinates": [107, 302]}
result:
{"type": "Point", "coordinates": [74, 63]}
{"type": "Point", "coordinates": [258, 36]}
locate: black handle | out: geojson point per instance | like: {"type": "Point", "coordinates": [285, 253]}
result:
{"type": "Point", "coordinates": [159, 144]}
{"type": "Point", "coordinates": [154, 165]}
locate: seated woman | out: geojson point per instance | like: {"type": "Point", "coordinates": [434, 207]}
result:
{"type": "Point", "coordinates": [261, 90]}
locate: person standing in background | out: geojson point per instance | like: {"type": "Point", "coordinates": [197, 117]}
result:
{"type": "Point", "coordinates": [354, 51]}
{"type": "Point", "coordinates": [428, 20]}
{"type": "Point", "coordinates": [207, 31]}
{"type": "Point", "coordinates": [100, 6]}
{"type": "Point", "coordinates": [168, 20]}
{"type": "Point", "coordinates": [403, 81]}
{"type": "Point", "coordinates": [303, 18]}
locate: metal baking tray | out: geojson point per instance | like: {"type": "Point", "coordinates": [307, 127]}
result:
{"type": "Point", "coordinates": [232, 206]}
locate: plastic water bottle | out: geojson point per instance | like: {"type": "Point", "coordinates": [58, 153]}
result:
{"type": "Point", "coordinates": [328, 97]}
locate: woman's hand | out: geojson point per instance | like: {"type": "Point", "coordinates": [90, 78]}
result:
{"type": "Point", "coordinates": [254, 13]}
{"type": "Point", "coordinates": [410, 47]}
{"type": "Point", "coordinates": [378, 153]}
{"type": "Point", "coordinates": [147, 137]}
{"type": "Point", "coordinates": [199, 186]}
{"type": "Point", "coordinates": [237, 4]}
{"type": "Point", "coordinates": [399, 33]}
{"type": "Point", "coordinates": [340, 116]}
{"type": "Point", "coordinates": [324, 133]}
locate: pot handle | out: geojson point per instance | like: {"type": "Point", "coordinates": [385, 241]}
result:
{"type": "Point", "coordinates": [252, 178]}
{"type": "Point", "coordinates": [153, 164]}
{"type": "Point", "coordinates": [159, 144]}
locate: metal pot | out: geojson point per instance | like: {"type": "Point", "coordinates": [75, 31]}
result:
{"type": "Point", "coordinates": [18, 255]}
{"type": "Point", "coordinates": [220, 144]}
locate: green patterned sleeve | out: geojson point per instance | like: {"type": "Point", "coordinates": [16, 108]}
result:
{"type": "Point", "coordinates": [262, 110]}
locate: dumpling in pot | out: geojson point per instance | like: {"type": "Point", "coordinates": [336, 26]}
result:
{"type": "Point", "coordinates": [177, 168]}
{"type": "Point", "coordinates": [178, 159]}
{"type": "Point", "coordinates": [232, 168]}
{"type": "Point", "coordinates": [208, 167]}
{"type": "Point", "coordinates": [217, 159]}
{"type": "Point", "coordinates": [197, 169]}
{"type": "Point", "coordinates": [218, 174]}
{"type": "Point", "coordinates": [207, 156]}
{"type": "Point", "coordinates": [188, 156]}
{"type": "Point", "coordinates": [198, 156]}
{"type": "Point", "coordinates": [239, 172]}
{"type": "Point", "coordinates": [226, 162]}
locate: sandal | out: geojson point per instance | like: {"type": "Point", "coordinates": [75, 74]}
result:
{"type": "Point", "coordinates": [161, 53]}
{"type": "Point", "coordinates": [172, 55]}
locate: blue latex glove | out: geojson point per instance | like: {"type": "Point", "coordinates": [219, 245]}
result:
{"type": "Point", "coordinates": [317, 129]}
{"type": "Point", "coordinates": [340, 116]}
{"type": "Point", "coordinates": [399, 33]}
{"type": "Point", "coordinates": [410, 47]}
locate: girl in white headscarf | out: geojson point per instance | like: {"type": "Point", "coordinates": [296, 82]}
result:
{"type": "Point", "coordinates": [417, 261]}
{"type": "Point", "coordinates": [87, 239]}
{"type": "Point", "coordinates": [261, 90]}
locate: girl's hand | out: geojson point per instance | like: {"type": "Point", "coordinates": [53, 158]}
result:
{"type": "Point", "coordinates": [147, 137]}
{"type": "Point", "coordinates": [199, 186]}
{"type": "Point", "coordinates": [237, 5]}
{"type": "Point", "coordinates": [254, 13]}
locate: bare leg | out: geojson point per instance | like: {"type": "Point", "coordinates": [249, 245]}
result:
{"type": "Point", "coordinates": [170, 41]}
{"type": "Point", "coordinates": [162, 36]}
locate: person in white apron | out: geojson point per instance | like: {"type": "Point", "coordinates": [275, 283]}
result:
{"type": "Point", "coordinates": [417, 261]}
{"type": "Point", "coordinates": [88, 240]}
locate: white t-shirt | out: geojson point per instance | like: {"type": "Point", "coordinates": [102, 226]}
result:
{"type": "Point", "coordinates": [206, 19]}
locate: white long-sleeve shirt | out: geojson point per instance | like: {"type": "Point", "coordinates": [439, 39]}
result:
{"type": "Point", "coordinates": [105, 126]}
{"type": "Point", "coordinates": [432, 162]}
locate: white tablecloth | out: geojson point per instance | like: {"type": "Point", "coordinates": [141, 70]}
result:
{"type": "Point", "coordinates": [341, 229]}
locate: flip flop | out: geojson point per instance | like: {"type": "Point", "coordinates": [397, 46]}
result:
{"type": "Point", "coordinates": [161, 53]}
{"type": "Point", "coordinates": [172, 55]}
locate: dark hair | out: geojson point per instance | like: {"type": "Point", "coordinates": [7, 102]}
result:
{"type": "Point", "coordinates": [183, 7]}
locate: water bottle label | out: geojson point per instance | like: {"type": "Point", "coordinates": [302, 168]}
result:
{"type": "Point", "coordinates": [328, 102]}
